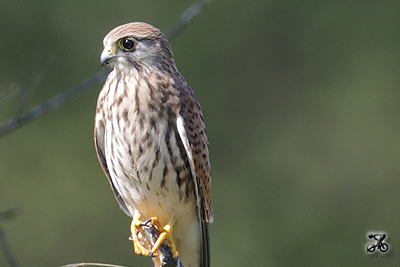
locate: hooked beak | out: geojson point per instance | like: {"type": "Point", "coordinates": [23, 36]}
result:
{"type": "Point", "coordinates": [107, 56]}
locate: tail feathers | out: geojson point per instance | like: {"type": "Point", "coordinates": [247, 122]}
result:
{"type": "Point", "coordinates": [205, 245]}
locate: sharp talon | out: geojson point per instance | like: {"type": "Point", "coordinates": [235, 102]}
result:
{"type": "Point", "coordinates": [146, 222]}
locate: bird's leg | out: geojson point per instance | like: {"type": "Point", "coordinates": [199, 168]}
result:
{"type": "Point", "coordinates": [166, 234]}
{"type": "Point", "coordinates": [136, 226]}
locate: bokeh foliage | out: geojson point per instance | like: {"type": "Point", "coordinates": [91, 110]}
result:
{"type": "Point", "coordinates": [301, 101]}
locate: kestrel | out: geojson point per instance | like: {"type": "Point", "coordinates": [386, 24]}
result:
{"type": "Point", "coordinates": [151, 142]}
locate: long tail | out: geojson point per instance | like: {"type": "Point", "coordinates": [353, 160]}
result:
{"type": "Point", "coordinates": [205, 245]}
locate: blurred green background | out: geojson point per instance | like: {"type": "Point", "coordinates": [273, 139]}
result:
{"type": "Point", "coordinates": [301, 101]}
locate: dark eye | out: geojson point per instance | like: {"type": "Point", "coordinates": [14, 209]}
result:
{"type": "Point", "coordinates": [127, 44]}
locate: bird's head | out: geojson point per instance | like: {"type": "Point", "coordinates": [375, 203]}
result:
{"type": "Point", "coordinates": [137, 45]}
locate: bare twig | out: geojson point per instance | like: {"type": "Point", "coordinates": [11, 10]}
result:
{"type": "Point", "coordinates": [7, 215]}
{"type": "Point", "coordinates": [186, 17]}
{"type": "Point", "coordinates": [16, 123]}
{"type": "Point", "coordinates": [18, 120]}
{"type": "Point", "coordinates": [92, 264]}
{"type": "Point", "coordinates": [164, 255]}
{"type": "Point", "coordinates": [10, 214]}
{"type": "Point", "coordinates": [26, 93]}
{"type": "Point", "coordinates": [5, 247]}
{"type": "Point", "coordinates": [9, 93]}
{"type": "Point", "coordinates": [148, 237]}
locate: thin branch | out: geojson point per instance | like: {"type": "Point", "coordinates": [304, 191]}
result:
{"type": "Point", "coordinates": [148, 237]}
{"type": "Point", "coordinates": [92, 264]}
{"type": "Point", "coordinates": [179, 25]}
{"type": "Point", "coordinates": [18, 120]}
{"type": "Point", "coordinates": [9, 93]}
{"type": "Point", "coordinates": [16, 123]}
{"type": "Point", "coordinates": [26, 93]}
{"type": "Point", "coordinates": [5, 247]}
{"type": "Point", "coordinates": [8, 215]}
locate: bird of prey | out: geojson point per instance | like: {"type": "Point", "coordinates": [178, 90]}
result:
{"type": "Point", "coordinates": [151, 142]}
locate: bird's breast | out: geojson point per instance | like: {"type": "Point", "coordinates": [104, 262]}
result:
{"type": "Point", "coordinates": [146, 158]}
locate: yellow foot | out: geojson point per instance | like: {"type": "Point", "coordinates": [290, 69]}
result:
{"type": "Point", "coordinates": [166, 234]}
{"type": "Point", "coordinates": [135, 230]}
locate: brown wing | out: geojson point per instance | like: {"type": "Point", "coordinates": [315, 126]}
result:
{"type": "Point", "coordinates": [196, 134]}
{"type": "Point", "coordinates": [99, 144]}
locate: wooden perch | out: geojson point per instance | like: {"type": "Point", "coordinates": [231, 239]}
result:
{"type": "Point", "coordinates": [148, 236]}
{"type": "Point", "coordinates": [164, 256]}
